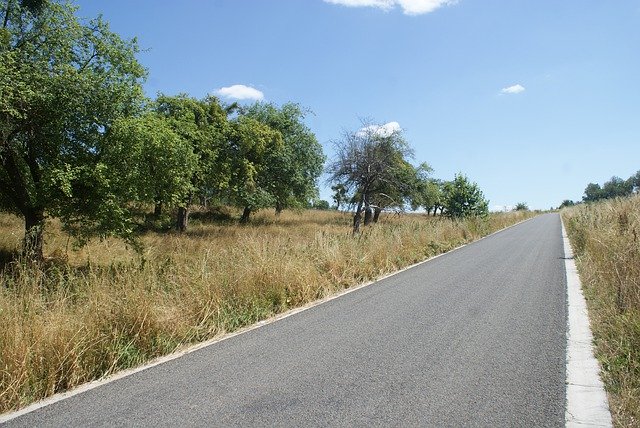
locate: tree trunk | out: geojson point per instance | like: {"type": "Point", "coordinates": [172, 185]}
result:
{"type": "Point", "coordinates": [183, 215]}
{"type": "Point", "coordinates": [368, 215]}
{"type": "Point", "coordinates": [157, 210]}
{"type": "Point", "coordinates": [376, 214]}
{"type": "Point", "coordinates": [245, 215]}
{"type": "Point", "coordinates": [278, 208]}
{"type": "Point", "coordinates": [33, 234]}
{"type": "Point", "coordinates": [357, 218]}
{"type": "Point", "coordinates": [183, 219]}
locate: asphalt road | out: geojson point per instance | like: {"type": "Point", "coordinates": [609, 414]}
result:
{"type": "Point", "coordinates": [473, 338]}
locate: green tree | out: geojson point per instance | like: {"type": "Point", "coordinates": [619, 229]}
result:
{"type": "Point", "coordinates": [62, 86]}
{"type": "Point", "coordinates": [203, 125]}
{"type": "Point", "coordinates": [463, 198]}
{"type": "Point", "coordinates": [155, 165]}
{"type": "Point", "coordinates": [252, 152]}
{"type": "Point", "coordinates": [301, 159]}
{"type": "Point", "coordinates": [521, 206]}
{"type": "Point", "coordinates": [566, 203]}
{"type": "Point", "coordinates": [339, 195]}
{"type": "Point", "coordinates": [616, 187]}
{"type": "Point", "coordinates": [592, 193]}
{"type": "Point", "coordinates": [367, 163]}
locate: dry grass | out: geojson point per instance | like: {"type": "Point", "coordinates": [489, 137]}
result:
{"type": "Point", "coordinates": [103, 308]}
{"type": "Point", "coordinates": [605, 239]}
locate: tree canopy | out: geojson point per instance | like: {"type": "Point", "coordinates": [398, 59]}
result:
{"type": "Point", "coordinates": [368, 163]}
{"type": "Point", "coordinates": [63, 84]}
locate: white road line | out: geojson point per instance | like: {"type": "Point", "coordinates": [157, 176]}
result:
{"type": "Point", "coordinates": [586, 398]}
{"type": "Point", "coordinates": [161, 360]}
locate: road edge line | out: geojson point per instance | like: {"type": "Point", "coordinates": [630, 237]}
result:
{"type": "Point", "coordinates": [586, 400]}
{"type": "Point", "coordinates": [192, 348]}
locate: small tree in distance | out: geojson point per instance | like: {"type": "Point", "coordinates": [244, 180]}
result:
{"type": "Point", "coordinates": [521, 206]}
{"type": "Point", "coordinates": [463, 198]}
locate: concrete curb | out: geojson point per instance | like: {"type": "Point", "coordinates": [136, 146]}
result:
{"type": "Point", "coordinates": [586, 404]}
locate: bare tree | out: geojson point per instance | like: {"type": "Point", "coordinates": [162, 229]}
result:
{"type": "Point", "coordinates": [368, 161]}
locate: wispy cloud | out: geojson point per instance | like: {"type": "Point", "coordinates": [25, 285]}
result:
{"type": "Point", "coordinates": [385, 130]}
{"type": "Point", "coordinates": [409, 7]}
{"type": "Point", "coordinates": [240, 92]}
{"type": "Point", "coordinates": [514, 89]}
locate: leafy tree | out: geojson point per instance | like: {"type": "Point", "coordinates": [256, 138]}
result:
{"type": "Point", "coordinates": [367, 163]}
{"type": "Point", "coordinates": [462, 198]}
{"type": "Point", "coordinates": [301, 158]}
{"type": "Point", "coordinates": [616, 187]}
{"type": "Point", "coordinates": [521, 206]}
{"type": "Point", "coordinates": [566, 203]}
{"type": "Point", "coordinates": [203, 125]}
{"type": "Point", "coordinates": [592, 193]}
{"type": "Point", "coordinates": [252, 153]}
{"type": "Point", "coordinates": [321, 204]}
{"type": "Point", "coordinates": [635, 182]}
{"type": "Point", "coordinates": [62, 86]}
{"type": "Point", "coordinates": [155, 165]}
{"type": "Point", "coordinates": [339, 195]}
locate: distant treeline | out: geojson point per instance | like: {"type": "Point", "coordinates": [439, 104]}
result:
{"type": "Point", "coordinates": [616, 187]}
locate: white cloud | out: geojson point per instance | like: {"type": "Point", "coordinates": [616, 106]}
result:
{"type": "Point", "coordinates": [515, 89]}
{"type": "Point", "coordinates": [409, 7]}
{"type": "Point", "coordinates": [385, 130]}
{"type": "Point", "coordinates": [240, 92]}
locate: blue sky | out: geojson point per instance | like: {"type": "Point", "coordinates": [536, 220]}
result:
{"type": "Point", "coordinates": [530, 99]}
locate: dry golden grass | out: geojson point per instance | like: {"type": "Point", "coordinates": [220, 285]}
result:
{"type": "Point", "coordinates": [103, 308]}
{"type": "Point", "coordinates": [607, 246]}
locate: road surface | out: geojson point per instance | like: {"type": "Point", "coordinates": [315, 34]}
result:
{"type": "Point", "coordinates": [473, 338]}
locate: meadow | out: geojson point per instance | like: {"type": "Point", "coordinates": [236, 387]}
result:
{"type": "Point", "coordinates": [604, 236]}
{"type": "Point", "coordinates": [89, 312]}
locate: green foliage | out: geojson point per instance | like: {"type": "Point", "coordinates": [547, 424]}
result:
{"type": "Point", "coordinates": [150, 161]}
{"type": "Point", "coordinates": [63, 85]}
{"type": "Point", "coordinates": [298, 164]}
{"type": "Point", "coordinates": [321, 204]}
{"type": "Point", "coordinates": [203, 125]}
{"type": "Point", "coordinates": [566, 203]}
{"type": "Point", "coordinates": [463, 198]}
{"type": "Point", "coordinates": [521, 206]}
{"type": "Point", "coordinates": [252, 153]}
{"type": "Point", "coordinates": [371, 165]}
{"type": "Point", "coordinates": [616, 187]}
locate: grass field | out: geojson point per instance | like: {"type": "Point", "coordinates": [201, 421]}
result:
{"type": "Point", "coordinates": [605, 238]}
{"type": "Point", "coordinates": [103, 308]}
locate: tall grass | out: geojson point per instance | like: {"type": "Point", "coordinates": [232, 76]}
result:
{"type": "Point", "coordinates": [605, 238]}
{"type": "Point", "coordinates": [102, 308]}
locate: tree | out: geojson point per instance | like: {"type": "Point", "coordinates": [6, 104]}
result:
{"type": "Point", "coordinates": [462, 198]}
{"type": "Point", "coordinates": [62, 86]}
{"type": "Point", "coordinates": [616, 187]}
{"type": "Point", "coordinates": [301, 158]}
{"type": "Point", "coordinates": [203, 125]}
{"type": "Point", "coordinates": [368, 161]}
{"type": "Point", "coordinates": [252, 151]}
{"type": "Point", "coordinates": [521, 206]}
{"type": "Point", "coordinates": [339, 195]}
{"type": "Point", "coordinates": [155, 165]}
{"type": "Point", "coordinates": [592, 193]}
{"type": "Point", "coordinates": [635, 182]}
{"type": "Point", "coordinates": [566, 203]}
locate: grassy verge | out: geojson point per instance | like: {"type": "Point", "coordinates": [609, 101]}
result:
{"type": "Point", "coordinates": [606, 241]}
{"type": "Point", "coordinates": [102, 308]}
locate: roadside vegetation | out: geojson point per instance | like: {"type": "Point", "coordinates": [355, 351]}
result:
{"type": "Point", "coordinates": [101, 308]}
{"type": "Point", "coordinates": [606, 241]}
